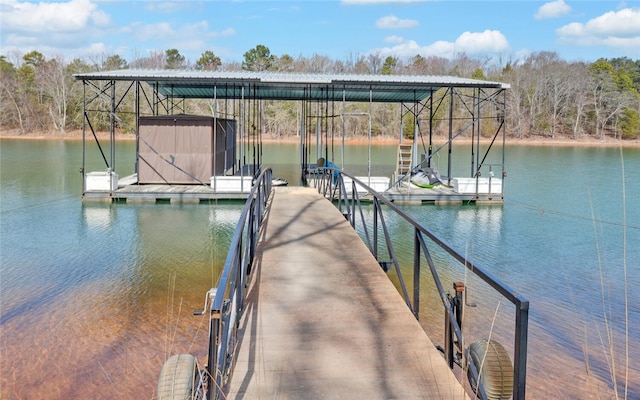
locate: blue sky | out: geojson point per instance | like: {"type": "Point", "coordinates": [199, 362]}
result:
{"type": "Point", "coordinates": [340, 29]}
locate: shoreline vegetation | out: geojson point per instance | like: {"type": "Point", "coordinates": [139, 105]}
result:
{"type": "Point", "coordinates": [564, 141]}
{"type": "Point", "coordinates": [548, 97]}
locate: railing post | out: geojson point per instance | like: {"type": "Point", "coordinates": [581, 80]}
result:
{"type": "Point", "coordinates": [354, 200]}
{"type": "Point", "coordinates": [520, 351]}
{"type": "Point", "coordinates": [456, 303]}
{"type": "Point", "coordinates": [212, 366]}
{"type": "Point", "coordinates": [448, 338]}
{"type": "Point", "coordinates": [416, 274]}
{"type": "Point", "coordinates": [375, 228]}
{"type": "Point", "coordinates": [252, 233]}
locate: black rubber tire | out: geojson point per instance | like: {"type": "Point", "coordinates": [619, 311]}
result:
{"type": "Point", "coordinates": [178, 378]}
{"type": "Point", "coordinates": [496, 373]}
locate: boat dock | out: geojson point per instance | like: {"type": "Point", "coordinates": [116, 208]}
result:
{"type": "Point", "coordinates": [128, 190]}
{"type": "Point", "coordinates": [196, 158]}
{"type": "Point", "coordinates": [323, 321]}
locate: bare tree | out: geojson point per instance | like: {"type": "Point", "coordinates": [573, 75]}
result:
{"type": "Point", "coordinates": [463, 65]}
{"type": "Point", "coordinates": [577, 97]}
{"type": "Point", "coordinates": [516, 99]}
{"type": "Point", "coordinates": [557, 84]}
{"type": "Point", "coordinates": [608, 101]}
{"type": "Point", "coordinates": [318, 64]}
{"type": "Point", "coordinates": [534, 79]}
{"type": "Point", "coordinates": [155, 60]}
{"type": "Point", "coordinates": [361, 66]}
{"type": "Point", "coordinates": [374, 60]}
{"type": "Point", "coordinates": [10, 110]}
{"type": "Point", "coordinates": [54, 80]}
{"type": "Point", "coordinates": [284, 63]}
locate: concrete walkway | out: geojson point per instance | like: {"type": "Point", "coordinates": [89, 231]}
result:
{"type": "Point", "coordinates": [323, 321]}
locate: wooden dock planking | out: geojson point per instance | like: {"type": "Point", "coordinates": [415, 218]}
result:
{"type": "Point", "coordinates": [324, 321]}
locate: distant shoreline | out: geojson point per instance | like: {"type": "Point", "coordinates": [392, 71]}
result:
{"type": "Point", "coordinates": [537, 141]}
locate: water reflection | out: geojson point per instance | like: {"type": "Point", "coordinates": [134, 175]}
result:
{"type": "Point", "coordinates": [94, 297]}
{"type": "Point", "coordinates": [481, 223]}
{"type": "Point", "coordinates": [97, 217]}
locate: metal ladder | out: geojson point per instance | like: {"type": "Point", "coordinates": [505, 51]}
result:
{"type": "Point", "coordinates": [403, 165]}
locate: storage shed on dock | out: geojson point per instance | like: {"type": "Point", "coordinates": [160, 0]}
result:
{"type": "Point", "coordinates": [184, 149]}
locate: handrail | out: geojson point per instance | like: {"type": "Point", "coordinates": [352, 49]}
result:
{"type": "Point", "coordinates": [227, 300]}
{"type": "Point", "coordinates": [330, 183]}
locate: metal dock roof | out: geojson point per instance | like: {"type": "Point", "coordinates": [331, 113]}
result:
{"type": "Point", "coordinates": [290, 86]}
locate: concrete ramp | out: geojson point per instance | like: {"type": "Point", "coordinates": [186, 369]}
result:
{"type": "Point", "coordinates": [323, 321]}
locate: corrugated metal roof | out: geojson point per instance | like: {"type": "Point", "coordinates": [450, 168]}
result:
{"type": "Point", "coordinates": [286, 86]}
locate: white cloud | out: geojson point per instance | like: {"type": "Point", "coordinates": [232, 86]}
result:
{"type": "Point", "coordinates": [553, 9]}
{"type": "Point", "coordinates": [394, 39]}
{"type": "Point", "coordinates": [97, 48]}
{"type": "Point", "coordinates": [149, 32]}
{"type": "Point", "coordinates": [225, 33]}
{"type": "Point", "coordinates": [482, 42]}
{"type": "Point", "coordinates": [16, 41]}
{"type": "Point", "coordinates": [405, 49]}
{"type": "Point", "coordinates": [100, 18]}
{"type": "Point", "coordinates": [616, 29]}
{"type": "Point", "coordinates": [53, 28]}
{"type": "Point", "coordinates": [522, 54]}
{"type": "Point", "coordinates": [90, 51]}
{"type": "Point", "coordinates": [190, 39]}
{"type": "Point", "coordinates": [472, 43]}
{"type": "Point", "coordinates": [168, 7]}
{"type": "Point", "coordinates": [624, 22]}
{"type": "Point", "coordinates": [393, 22]}
{"type": "Point", "coordinates": [71, 16]}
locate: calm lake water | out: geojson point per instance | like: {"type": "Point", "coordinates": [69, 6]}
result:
{"type": "Point", "coordinates": [94, 297]}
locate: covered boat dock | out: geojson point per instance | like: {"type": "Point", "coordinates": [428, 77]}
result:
{"type": "Point", "coordinates": [177, 162]}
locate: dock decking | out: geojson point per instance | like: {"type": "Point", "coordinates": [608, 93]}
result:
{"type": "Point", "coordinates": [134, 193]}
{"type": "Point", "coordinates": [323, 321]}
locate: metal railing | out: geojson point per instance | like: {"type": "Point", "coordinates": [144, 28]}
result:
{"type": "Point", "coordinates": [330, 183]}
{"type": "Point", "coordinates": [226, 302]}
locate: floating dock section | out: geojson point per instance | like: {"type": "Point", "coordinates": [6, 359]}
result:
{"type": "Point", "coordinates": [323, 321]}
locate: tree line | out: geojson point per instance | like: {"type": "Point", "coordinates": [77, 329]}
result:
{"type": "Point", "coordinates": [549, 97]}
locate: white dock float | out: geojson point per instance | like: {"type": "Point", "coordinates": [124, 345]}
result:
{"type": "Point", "coordinates": [231, 184]}
{"type": "Point", "coordinates": [484, 185]}
{"type": "Point", "coordinates": [105, 181]}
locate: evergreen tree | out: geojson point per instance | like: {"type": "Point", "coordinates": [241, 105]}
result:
{"type": "Point", "coordinates": [258, 59]}
{"type": "Point", "coordinates": [389, 66]}
{"type": "Point", "coordinates": [174, 60]}
{"type": "Point", "coordinates": [208, 61]}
